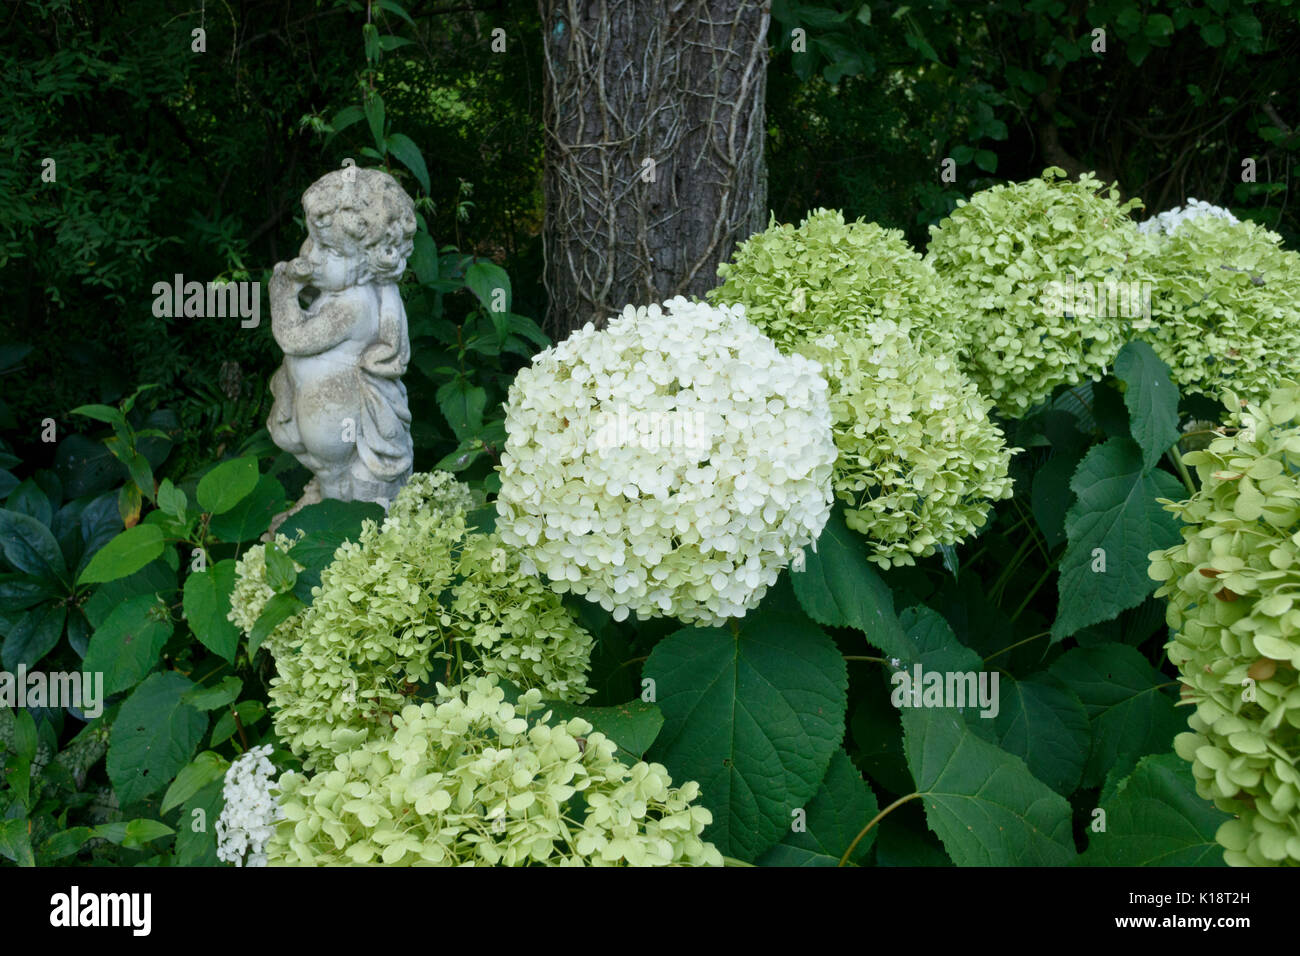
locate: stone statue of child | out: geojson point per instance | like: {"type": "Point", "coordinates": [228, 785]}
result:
{"type": "Point", "coordinates": [340, 406]}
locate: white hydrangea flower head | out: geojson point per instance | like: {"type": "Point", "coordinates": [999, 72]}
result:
{"type": "Point", "coordinates": [1169, 220]}
{"type": "Point", "coordinates": [671, 463]}
{"type": "Point", "coordinates": [248, 820]}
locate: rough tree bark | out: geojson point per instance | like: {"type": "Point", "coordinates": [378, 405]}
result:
{"type": "Point", "coordinates": [654, 114]}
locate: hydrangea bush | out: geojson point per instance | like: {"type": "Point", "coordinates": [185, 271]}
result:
{"type": "Point", "coordinates": [419, 593]}
{"type": "Point", "coordinates": [451, 693]}
{"type": "Point", "coordinates": [1006, 255]}
{"type": "Point", "coordinates": [1225, 304]}
{"type": "Point", "coordinates": [671, 463]}
{"type": "Point", "coordinates": [829, 276]}
{"type": "Point", "coordinates": [919, 460]}
{"type": "Point", "coordinates": [474, 779]}
{"type": "Point", "coordinates": [1231, 585]}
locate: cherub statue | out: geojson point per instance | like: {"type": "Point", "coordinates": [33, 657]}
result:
{"type": "Point", "coordinates": [340, 405]}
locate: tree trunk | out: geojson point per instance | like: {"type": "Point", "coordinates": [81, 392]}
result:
{"type": "Point", "coordinates": [654, 152]}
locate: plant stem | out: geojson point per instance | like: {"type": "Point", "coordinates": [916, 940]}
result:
{"type": "Point", "coordinates": [1047, 572]}
{"type": "Point", "coordinates": [1182, 468]}
{"type": "Point", "coordinates": [1012, 647]}
{"type": "Point", "coordinates": [855, 657]}
{"type": "Point", "coordinates": [874, 820]}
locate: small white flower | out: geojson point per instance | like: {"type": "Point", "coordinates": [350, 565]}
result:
{"type": "Point", "coordinates": [247, 821]}
{"type": "Point", "coordinates": [1171, 219]}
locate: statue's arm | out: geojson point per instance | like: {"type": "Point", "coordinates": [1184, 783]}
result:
{"type": "Point", "coordinates": [301, 333]}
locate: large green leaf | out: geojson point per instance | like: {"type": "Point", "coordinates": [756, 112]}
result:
{"type": "Point", "coordinates": [34, 634]}
{"type": "Point", "coordinates": [1129, 703]}
{"type": "Point", "coordinates": [1050, 497]}
{"type": "Point", "coordinates": [219, 695]}
{"type": "Point", "coordinates": [206, 604]}
{"type": "Point", "coordinates": [983, 803]}
{"type": "Point", "coordinates": [1156, 818]}
{"type": "Point", "coordinates": [16, 841]}
{"type": "Point", "coordinates": [491, 286]}
{"type": "Point", "coordinates": [133, 833]}
{"type": "Point", "coordinates": [408, 154]}
{"type": "Point", "coordinates": [125, 554]}
{"type": "Point", "coordinates": [156, 577]}
{"type": "Point", "coordinates": [227, 484]}
{"type": "Point", "coordinates": [462, 404]}
{"type": "Point", "coordinates": [934, 649]}
{"type": "Point", "coordinates": [839, 588]}
{"type": "Point", "coordinates": [632, 726]}
{"type": "Point", "coordinates": [196, 831]}
{"type": "Point", "coordinates": [126, 646]}
{"type": "Point", "coordinates": [30, 500]}
{"type": "Point", "coordinates": [279, 609]}
{"type": "Point", "coordinates": [154, 736]}
{"type": "Point", "coordinates": [1151, 398]}
{"type": "Point", "coordinates": [754, 717]}
{"type": "Point", "coordinates": [1115, 523]}
{"type": "Point", "coordinates": [325, 526]}
{"type": "Point", "coordinates": [1042, 722]}
{"type": "Point", "coordinates": [30, 547]}
{"type": "Point", "coordinates": [198, 773]}
{"type": "Point", "coordinates": [842, 806]}
{"type": "Point", "coordinates": [252, 514]}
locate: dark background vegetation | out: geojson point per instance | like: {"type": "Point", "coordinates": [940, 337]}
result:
{"type": "Point", "coordinates": [171, 161]}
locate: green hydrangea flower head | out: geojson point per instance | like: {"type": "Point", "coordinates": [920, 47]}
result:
{"type": "Point", "coordinates": [416, 597]}
{"type": "Point", "coordinates": [432, 491]}
{"type": "Point", "coordinates": [829, 276]}
{"type": "Point", "coordinates": [1225, 306]}
{"type": "Point", "coordinates": [252, 591]}
{"type": "Point", "coordinates": [919, 459]}
{"type": "Point", "coordinates": [471, 779]}
{"type": "Point", "coordinates": [1008, 254]}
{"type": "Point", "coordinates": [1233, 589]}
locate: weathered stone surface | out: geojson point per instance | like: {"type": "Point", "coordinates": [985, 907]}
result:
{"type": "Point", "coordinates": [340, 405]}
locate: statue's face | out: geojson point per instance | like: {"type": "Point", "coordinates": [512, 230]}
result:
{"type": "Point", "coordinates": [331, 270]}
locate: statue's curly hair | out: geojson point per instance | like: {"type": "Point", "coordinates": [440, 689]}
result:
{"type": "Point", "coordinates": [367, 208]}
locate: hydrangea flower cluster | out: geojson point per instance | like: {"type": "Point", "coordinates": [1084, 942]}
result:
{"type": "Point", "coordinates": [919, 459]}
{"type": "Point", "coordinates": [1232, 586]}
{"type": "Point", "coordinates": [696, 524]}
{"type": "Point", "coordinates": [828, 276]}
{"type": "Point", "coordinates": [1225, 306]}
{"type": "Point", "coordinates": [419, 592]}
{"type": "Point", "coordinates": [1171, 219]}
{"type": "Point", "coordinates": [1005, 255]}
{"type": "Point", "coordinates": [247, 821]}
{"type": "Point", "coordinates": [252, 592]}
{"type": "Point", "coordinates": [474, 780]}
{"type": "Point", "coordinates": [433, 492]}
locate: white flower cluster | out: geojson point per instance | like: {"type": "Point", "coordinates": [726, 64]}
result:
{"type": "Point", "coordinates": [1171, 219]}
{"type": "Point", "coordinates": [251, 592]}
{"type": "Point", "coordinates": [694, 530]}
{"type": "Point", "coordinates": [248, 819]}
